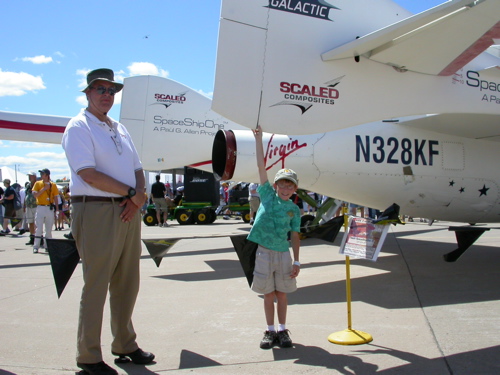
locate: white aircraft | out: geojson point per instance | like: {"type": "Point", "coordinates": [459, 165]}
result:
{"type": "Point", "coordinates": [440, 166]}
{"type": "Point", "coordinates": [408, 107]}
{"type": "Point", "coordinates": [303, 67]}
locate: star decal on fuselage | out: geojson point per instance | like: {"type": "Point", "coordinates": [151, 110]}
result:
{"type": "Point", "coordinates": [484, 190]}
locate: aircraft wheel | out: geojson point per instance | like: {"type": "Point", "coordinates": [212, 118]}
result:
{"type": "Point", "coordinates": [184, 217]}
{"type": "Point", "coordinates": [203, 216]}
{"type": "Point", "coordinates": [149, 219]}
{"type": "Point", "coordinates": [305, 223]}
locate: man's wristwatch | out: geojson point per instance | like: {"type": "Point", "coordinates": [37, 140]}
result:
{"type": "Point", "coordinates": [131, 192]}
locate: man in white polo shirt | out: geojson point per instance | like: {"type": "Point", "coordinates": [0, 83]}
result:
{"type": "Point", "coordinates": [106, 174]}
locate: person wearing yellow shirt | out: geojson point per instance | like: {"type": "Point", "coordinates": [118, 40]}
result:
{"type": "Point", "coordinates": [47, 200]}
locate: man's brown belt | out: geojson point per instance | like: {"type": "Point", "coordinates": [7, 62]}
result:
{"type": "Point", "coordinates": [91, 198]}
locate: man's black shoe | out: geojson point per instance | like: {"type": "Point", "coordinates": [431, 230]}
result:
{"type": "Point", "coordinates": [31, 241]}
{"type": "Point", "coordinates": [97, 368]}
{"type": "Point", "coordinates": [69, 236]}
{"type": "Point", "coordinates": [22, 231]}
{"type": "Point", "coordinates": [139, 357]}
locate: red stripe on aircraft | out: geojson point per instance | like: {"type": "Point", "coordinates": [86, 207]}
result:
{"type": "Point", "coordinates": [31, 127]}
{"type": "Point", "coordinates": [207, 162]}
{"type": "Point", "coordinates": [475, 49]}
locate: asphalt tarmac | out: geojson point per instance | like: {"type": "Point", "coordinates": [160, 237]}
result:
{"type": "Point", "coordinates": [196, 313]}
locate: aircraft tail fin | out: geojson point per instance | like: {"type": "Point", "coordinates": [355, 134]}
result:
{"type": "Point", "coordinates": [172, 125]}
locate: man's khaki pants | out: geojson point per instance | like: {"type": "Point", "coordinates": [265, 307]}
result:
{"type": "Point", "coordinates": [110, 251]}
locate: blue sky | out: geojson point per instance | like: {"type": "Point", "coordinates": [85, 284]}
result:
{"type": "Point", "coordinates": [47, 47]}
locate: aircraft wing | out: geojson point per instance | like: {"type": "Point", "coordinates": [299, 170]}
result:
{"type": "Point", "coordinates": [474, 126]}
{"type": "Point", "coordinates": [306, 67]}
{"type": "Point", "coordinates": [32, 128]}
{"type": "Point", "coordinates": [439, 41]}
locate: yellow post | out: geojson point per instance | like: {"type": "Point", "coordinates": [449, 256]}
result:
{"type": "Point", "coordinates": [349, 336]}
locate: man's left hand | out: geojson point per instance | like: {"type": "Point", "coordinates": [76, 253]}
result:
{"type": "Point", "coordinates": [129, 210]}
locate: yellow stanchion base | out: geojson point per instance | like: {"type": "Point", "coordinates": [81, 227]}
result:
{"type": "Point", "coordinates": [350, 337]}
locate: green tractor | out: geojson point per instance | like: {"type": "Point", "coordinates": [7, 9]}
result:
{"type": "Point", "coordinates": [200, 201]}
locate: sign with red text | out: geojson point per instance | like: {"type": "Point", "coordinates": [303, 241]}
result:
{"type": "Point", "coordinates": [363, 239]}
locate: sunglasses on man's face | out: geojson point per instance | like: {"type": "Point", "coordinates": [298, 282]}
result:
{"type": "Point", "coordinates": [102, 90]}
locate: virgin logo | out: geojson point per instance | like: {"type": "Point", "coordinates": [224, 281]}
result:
{"type": "Point", "coordinates": [276, 153]}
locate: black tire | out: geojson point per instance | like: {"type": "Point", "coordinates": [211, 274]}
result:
{"type": "Point", "coordinates": [305, 223]}
{"type": "Point", "coordinates": [149, 219]}
{"type": "Point", "coordinates": [213, 216]}
{"type": "Point", "coordinates": [246, 216]}
{"type": "Point", "coordinates": [184, 217]}
{"type": "Point", "coordinates": [203, 216]}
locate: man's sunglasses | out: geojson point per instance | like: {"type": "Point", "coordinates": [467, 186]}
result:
{"type": "Point", "coordinates": [102, 90]}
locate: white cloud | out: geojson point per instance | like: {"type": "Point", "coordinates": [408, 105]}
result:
{"type": "Point", "coordinates": [35, 161]}
{"type": "Point", "coordinates": [82, 81]}
{"type": "Point", "coordinates": [47, 155]}
{"type": "Point", "coordinates": [145, 68]}
{"type": "Point", "coordinates": [17, 84]}
{"type": "Point", "coordinates": [40, 59]}
{"type": "Point", "coordinates": [207, 94]}
{"type": "Point", "coordinates": [23, 144]}
{"type": "Point", "coordinates": [82, 100]}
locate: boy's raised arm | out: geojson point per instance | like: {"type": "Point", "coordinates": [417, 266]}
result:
{"type": "Point", "coordinates": [259, 150]}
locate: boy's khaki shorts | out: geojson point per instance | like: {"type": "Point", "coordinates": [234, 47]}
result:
{"type": "Point", "coordinates": [272, 272]}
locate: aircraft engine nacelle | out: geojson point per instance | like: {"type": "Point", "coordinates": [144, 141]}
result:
{"type": "Point", "coordinates": [238, 147]}
{"type": "Point", "coordinates": [233, 156]}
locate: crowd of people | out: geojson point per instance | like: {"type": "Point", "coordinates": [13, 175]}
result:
{"type": "Point", "coordinates": [39, 204]}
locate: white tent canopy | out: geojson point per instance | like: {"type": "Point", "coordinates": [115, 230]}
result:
{"type": "Point", "coordinates": [13, 175]}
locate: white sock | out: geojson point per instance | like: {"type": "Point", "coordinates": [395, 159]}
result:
{"type": "Point", "coordinates": [271, 328]}
{"type": "Point", "coordinates": [281, 327]}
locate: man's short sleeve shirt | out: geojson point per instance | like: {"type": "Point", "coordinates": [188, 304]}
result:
{"type": "Point", "coordinates": [275, 218]}
{"type": "Point", "coordinates": [90, 143]}
{"type": "Point", "coordinates": [48, 196]}
{"type": "Point", "coordinates": [158, 190]}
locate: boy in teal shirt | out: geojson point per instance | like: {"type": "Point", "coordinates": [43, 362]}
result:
{"type": "Point", "coordinates": [274, 273]}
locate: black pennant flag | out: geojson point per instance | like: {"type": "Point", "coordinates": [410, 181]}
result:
{"type": "Point", "coordinates": [327, 231]}
{"type": "Point", "coordinates": [159, 247]}
{"type": "Point", "coordinates": [246, 250]}
{"type": "Point", "coordinates": [389, 216]}
{"type": "Point", "coordinates": [63, 259]}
